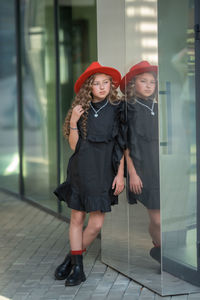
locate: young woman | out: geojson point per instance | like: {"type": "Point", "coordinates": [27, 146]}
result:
{"type": "Point", "coordinates": [140, 88]}
{"type": "Point", "coordinates": [95, 170]}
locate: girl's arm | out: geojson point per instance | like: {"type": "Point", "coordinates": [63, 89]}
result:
{"type": "Point", "coordinates": [74, 134]}
{"type": "Point", "coordinates": [118, 182]}
{"type": "Point", "coordinates": [135, 182]}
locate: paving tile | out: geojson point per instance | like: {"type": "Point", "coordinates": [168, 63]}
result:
{"type": "Point", "coordinates": [65, 297]}
{"type": "Point", "coordinates": [146, 294]}
{"type": "Point", "coordinates": [8, 293]}
{"type": "Point", "coordinates": [117, 290]}
{"type": "Point", "coordinates": [133, 288]}
{"type": "Point", "coordinates": [99, 297]}
{"type": "Point", "coordinates": [195, 296]}
{"type": "Point", "coordinates": [158, 297]}
{"type": "Point", "coordinates": [20, 296]}
{"type": "Point", "coordinates": [131, 297]}
{"type": "Point", "coordinates": [33, 243]}
{"type": "Point", "coordinates": [180, 297]}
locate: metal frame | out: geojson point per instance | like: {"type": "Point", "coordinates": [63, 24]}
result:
{"type": "Point", "coordinates": [19, 95]}
{"type": "Point", "coordinates": [57, 54]}
{"type": "Point", "coordinates": [197, 80]}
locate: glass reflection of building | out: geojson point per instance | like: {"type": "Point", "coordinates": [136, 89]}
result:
{"type": "Point", "coordinates": [56, 44]}
{"type": "Point", "coordinates": [141, 19]}
{"type": "Point", "coordinates": [9, 165]}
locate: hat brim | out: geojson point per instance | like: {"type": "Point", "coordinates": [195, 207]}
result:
{"type": "Point", "coordinates": [129, 76]}
{"type": "Point", "coordinates": [116, 76]}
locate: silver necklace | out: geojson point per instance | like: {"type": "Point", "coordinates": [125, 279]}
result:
{"type": "Point", "coordinates": [96, 111]}
{"type": "Point", "coordinates": [151, 109]}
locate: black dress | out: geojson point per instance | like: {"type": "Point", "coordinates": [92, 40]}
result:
{"type": "Point", "coordinates": [142, 142]}
{"type": "Point", "coordinates": [94, 164]}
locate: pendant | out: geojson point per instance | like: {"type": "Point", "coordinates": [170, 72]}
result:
{"type": "Point", "coordinates": [96, 115]}
{"type": "Point", "coordinates": [153, 113]}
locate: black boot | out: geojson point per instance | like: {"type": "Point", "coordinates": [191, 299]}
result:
{"type": "Point", "coordinates": [63, 270]}
{"type": "Point", "coordinates": [77, 274]}
{"type": "Point", "coordinates": [155, 253]}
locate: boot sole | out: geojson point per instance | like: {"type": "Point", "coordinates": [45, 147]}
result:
{"type": "Point", "coordinates": [61, 278]}
{"type": "Point", "coordinates": [77, 283]}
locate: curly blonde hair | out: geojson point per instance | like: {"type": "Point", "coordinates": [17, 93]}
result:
{"type": "Point", "coordinates": [130, 92]}
{"type": "Point", "coordinates": [83, 98]}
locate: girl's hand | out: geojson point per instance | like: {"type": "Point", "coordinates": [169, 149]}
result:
{"type": "Point", "coordinates": [118, 184]}
{"type": "Point", "coordinates": [76, 114]}
{"type": "Point", "coordinates": [135, 184]}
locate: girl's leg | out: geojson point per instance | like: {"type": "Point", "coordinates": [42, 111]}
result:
{"type": "Point", "coordinates": [154, 225]}
{"type": "Point", "coordinates": [76, 235]}
{"type": "Point", "coordinates": [94, 226]}
{"type": "Point", "coordinates": [76, 242]}
{"type": "Point", "coordinates": [80, 240]}
{"type": "Point", "coordinates": [76, 229]}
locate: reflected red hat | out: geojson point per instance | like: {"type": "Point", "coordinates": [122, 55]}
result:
{"type": "Point", "coordinates": [141, 67]}
{"type": "Point", "coordinates": [94, 68]}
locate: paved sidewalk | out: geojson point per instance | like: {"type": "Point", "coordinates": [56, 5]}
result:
{"type": "Point", "coordinates": [33, 243]}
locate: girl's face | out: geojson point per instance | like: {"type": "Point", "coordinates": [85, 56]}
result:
{"type": "Point", "coordinates": [145, 85]}
{"type": "Point", "coordinates": [101, 87]}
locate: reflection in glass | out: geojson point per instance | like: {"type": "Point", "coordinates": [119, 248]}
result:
{"type": "Point", "coordinates": [9, 159]}
{"type": "Point", "coordinates": [38, 81]}
{"type": "Point", "coordinates": [141, 23]}
{"type": "Point", "coordinates": [143, 152]}
{"type": "Point", "coordinates": [151, 28]}
{"type": "Point", "coordinates": [142, 156]}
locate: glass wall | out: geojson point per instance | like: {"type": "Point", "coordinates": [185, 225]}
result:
{"type": "Point", "coordinates": [78, 48]}
{"type": "Point", "coordinates": [151, 236]}
{"type": "Point", "coordinates": [39, 105]}
{"type": "Point", "coordinates": [57, 44]}
{"type": "Point", "coordinates": [111, 52]}
{"type": "Point", "coordinates": [178, 135]}
{"type": "Point", "coordinates": [9, 156]}
{"type": "Point", "coordinates": [142, 119]}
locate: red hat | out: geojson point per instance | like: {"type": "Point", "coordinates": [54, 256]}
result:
{"type": "Point", "coordinates": [141, 67]}
{"type": "Point", "coordinates": [94, 68]}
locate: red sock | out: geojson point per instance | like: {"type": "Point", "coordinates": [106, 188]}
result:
{"type": "Point", "coordinates": [156, 245]}
{"type": "Point", "coordinates": [77, 252]}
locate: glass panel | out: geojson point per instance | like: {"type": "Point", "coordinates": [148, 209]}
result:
{"type": "Point", "coordinates": [9, 158]}
{"type": "Point", "coordinates": [142, 141]}
{"type": "Point", "coordinates": [111, 52]}
{"type": "Point", "coordinates": [39, 106]}
{"type": "Point", "coordinates": [78, 48]}
{"type": "Point", "coordinates": [178, 137]}
{"type": "Point", "coordinates": [133, 228]}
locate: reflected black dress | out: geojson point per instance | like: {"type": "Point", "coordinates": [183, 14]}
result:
{"type": "Point", "coordinates": [142, 141]}
{"type": "Point", "coordinates": [94, 164]}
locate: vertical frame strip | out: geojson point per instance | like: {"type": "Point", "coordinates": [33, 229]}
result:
{"type": "Point", "coordinates": [57, 64]}
{"type": "Point", "coordinates": [19, 95]}
{"type": "Point", "coordinates": [197, 80]}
